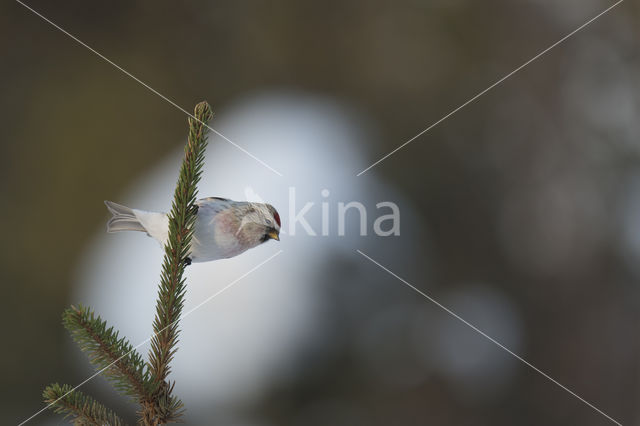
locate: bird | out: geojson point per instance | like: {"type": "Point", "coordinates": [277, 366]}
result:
{"type": "Point", "coordinates": [223, 228]}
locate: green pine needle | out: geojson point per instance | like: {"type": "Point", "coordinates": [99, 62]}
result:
{"type": "Point", "coordinates": [122, 364]}
{"type": "Point", "coordinates": [145, 382]}
{"type": "Point", "coordinates": [82, 408]}
{"type": "Point", "coordinates": [172, 284]}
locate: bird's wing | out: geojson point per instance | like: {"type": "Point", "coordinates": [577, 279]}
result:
{"type": "Point", "coordinates": [210, 199]}
{"type": "Point", "coordinates": [211, 206]}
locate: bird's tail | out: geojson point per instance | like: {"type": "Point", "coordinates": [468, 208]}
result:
{"type": "Point", "coordinates": [124, 219]}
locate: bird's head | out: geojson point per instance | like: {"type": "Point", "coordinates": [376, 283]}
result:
{"type": "Point", "coordinates": [260, 224]}
{"type": "Point", "coordinates": [271, 221]}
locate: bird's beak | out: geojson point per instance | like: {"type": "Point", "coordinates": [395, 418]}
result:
{"type": "Point", "coordinates": [274, 235]}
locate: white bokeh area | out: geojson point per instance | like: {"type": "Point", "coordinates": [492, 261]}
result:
{"type": "Point", "coordinates": [242, 340]}
{"type": "Point", "coordinates": [291, 314]}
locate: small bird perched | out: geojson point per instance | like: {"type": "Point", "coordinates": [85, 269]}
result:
{"type": "Point", "coordinates": [223, 228]}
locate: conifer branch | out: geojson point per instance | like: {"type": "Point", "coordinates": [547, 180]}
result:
{"type": "Point", "coordinates": [172, 289]}
{"type": "Point", "coordinates": [84, 409]}
{"type": "Point", "coordinates": [123, 365]}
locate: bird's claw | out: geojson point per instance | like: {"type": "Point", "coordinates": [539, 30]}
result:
{"type": "Point", "coordinates": [187, 261]}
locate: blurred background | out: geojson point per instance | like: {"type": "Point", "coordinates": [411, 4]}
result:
{"type": "Point", "coordinates": [521, 212]}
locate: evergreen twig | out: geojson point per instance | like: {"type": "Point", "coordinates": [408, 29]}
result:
{"type": "Point", "coordinates": [84, 409]}
{"type": "Point", "coordinates": [122, 364]}
{"type": "Point", "coordinates": [172, 284]}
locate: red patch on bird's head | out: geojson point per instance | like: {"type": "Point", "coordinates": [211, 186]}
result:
{"type": "Point", "coordinates": [276, 216]}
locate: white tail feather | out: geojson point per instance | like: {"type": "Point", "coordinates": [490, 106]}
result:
{"type": "Point", "coordinates": [124, 219]}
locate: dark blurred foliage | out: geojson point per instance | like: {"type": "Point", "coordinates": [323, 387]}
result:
{"type": "Point", "coordinates": [489, 181]}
